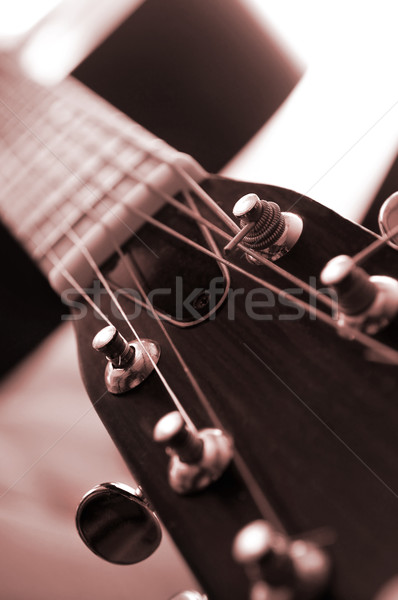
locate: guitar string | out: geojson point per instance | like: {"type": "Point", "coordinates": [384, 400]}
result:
{"type": "Point", "coordinates": [264, 506]}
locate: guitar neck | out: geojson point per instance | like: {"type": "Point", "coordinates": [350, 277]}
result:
{"type": "Point", "coordinates": [84, 164]}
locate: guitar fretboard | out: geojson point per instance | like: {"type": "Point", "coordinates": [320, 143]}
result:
{"type": "Point", "coordinates": [71, 162]}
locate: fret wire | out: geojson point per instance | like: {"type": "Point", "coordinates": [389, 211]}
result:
{"type": "Point", "coordinates": [49, 203]}
{"type": "Point", "coordinates": [39, 211]}
{"type": "Point", "coordinates": [53, 201]}
{"type": "Point", "coordinates": [28, 167]}
{"type": "Point", "coordinates": [56, 235]}
{"type": "Point", "coordinates": [53, 100]}
{"type": "Point", "coordinates": [32, 176]}
{"type": "Point", "coordinates": [60, 230]}
{"type": "Point", "coordinates": [72, 185]}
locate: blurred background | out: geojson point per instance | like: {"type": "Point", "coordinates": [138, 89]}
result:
{"type": "Point", "coordinates": [301, 95]}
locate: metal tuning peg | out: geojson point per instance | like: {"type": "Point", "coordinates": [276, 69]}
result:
{"type": "Point", "coordinates": [129, 363]}
{"type": "Point", "coordinates": [366, 303]}
{"type": "Point", "coordinates": [388, 219]}
{"type": "Point", "coordinates": [279, 568]}
{"type": "Point", "coordinates": [116, 523]}
{"type": "Point", "coordinates": [197, 458]}
{"type": "Point", "coordinates": [189, 595]}
{"type": "Point", "coordinates": [265, 228]}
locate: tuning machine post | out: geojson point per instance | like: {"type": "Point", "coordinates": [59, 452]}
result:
{"type": "Point", "coordinates": [197, 458]}
{"type": "Point", "coordinates": [368, 303]}
{"type": "Point", "coordinates": [264, 228]}
{"type": "Point", "coordinates": [278, 567]}
{"type": "Point", "coordinates": [129, 363]}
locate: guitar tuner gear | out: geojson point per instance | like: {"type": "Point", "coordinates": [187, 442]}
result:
{"type": "Point", "coordinates": [129, 363]}
{"type": "Point", "coordinates": [273, 563]}
{"type": "Point", "coordinates": [265, 228]}
{"type": "Point", "coordinates": [363, 302]}
{"type": "Point", "coordinates": [117, 523]}
{"type": "Point", "coordinates": [197, 458]}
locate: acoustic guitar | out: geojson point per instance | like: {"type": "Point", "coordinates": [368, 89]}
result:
{"type": "Point", "coordinates": [237, 340]}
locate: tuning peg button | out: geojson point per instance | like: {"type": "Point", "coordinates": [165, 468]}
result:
{"type": "Point", "coordinates": [197, 458]}
{"type": "Point", "coordinates": [129, 363]}
{"type": "Point", "coordinates": [116, 523]}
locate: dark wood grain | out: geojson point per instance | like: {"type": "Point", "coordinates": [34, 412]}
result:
{"type": "Point", "coordinates": [313, 419]}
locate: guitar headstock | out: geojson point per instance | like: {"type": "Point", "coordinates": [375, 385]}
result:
{"type": "Point", "coordinates": [311, 418]}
